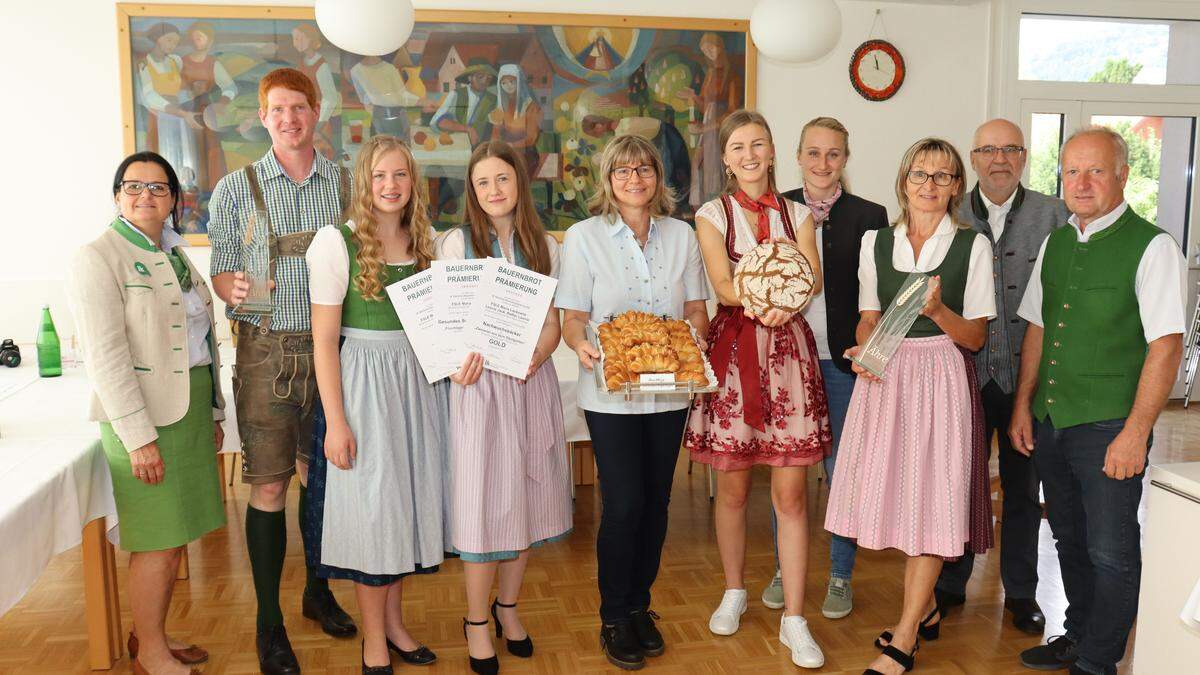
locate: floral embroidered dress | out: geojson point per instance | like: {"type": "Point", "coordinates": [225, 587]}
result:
{"type": "Point", "coordinates": [770, 407]}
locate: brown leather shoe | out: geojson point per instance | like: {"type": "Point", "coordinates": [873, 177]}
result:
{"type": "Point", "coordinates": [139, 669]}
{"type": "Point", "coordinates": [188, 656]}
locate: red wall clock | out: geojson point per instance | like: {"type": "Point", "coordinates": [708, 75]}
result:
{"type": "Point", "coordinates": [877, 70]}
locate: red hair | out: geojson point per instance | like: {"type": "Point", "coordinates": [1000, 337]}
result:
{"type": "Point", "coordinates": [287, 78]}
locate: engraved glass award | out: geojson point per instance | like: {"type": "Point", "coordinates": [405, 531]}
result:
{"type": "Point", "coordinates": [256, 261]}
{"type": "Point", "coordinates": [894, 325]}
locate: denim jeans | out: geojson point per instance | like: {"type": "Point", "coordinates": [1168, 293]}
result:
{"type": "Point", "coordinates": [838, 388]}
{"type": "Point", "coordinates": [1094, 520]}
{"type": "Point", "coordinates": [635, 459]}
{"type": "Point", "coordinates": [1022, 510]}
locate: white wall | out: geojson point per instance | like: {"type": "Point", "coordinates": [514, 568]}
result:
{"type": "Point", "coordinates": [63, 141]}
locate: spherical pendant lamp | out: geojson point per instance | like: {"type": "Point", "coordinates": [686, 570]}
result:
{"type": "Point", "coordinates": [366, 27]}
{"type": "Point", "coordinates": [795, 31]}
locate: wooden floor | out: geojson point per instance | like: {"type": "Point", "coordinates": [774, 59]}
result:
{"type": "Point", "coordinates": [45, 633]}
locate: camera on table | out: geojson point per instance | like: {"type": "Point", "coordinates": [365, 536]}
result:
{"type": "Point", "coordinates": [10, 354]}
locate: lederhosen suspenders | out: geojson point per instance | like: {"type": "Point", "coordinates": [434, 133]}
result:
{"type": "Point", "coordinates": [785, 215]}
{"type": "Point", "coordinates": [293, 245]}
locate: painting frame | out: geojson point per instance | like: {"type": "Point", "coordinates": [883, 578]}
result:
{"type": "Point", "coordinates": [127, 13]}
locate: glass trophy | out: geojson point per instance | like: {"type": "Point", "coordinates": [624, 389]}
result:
{"type": "Point", "coordinates": [895, 324]}
{"type": "Point", "coordinates": [256, 262]}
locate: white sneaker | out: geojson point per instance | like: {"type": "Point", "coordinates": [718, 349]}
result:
{"type": "Point", "coordinates": [728, 617]}
{"type": "Point", "coordinates": [793, 633]}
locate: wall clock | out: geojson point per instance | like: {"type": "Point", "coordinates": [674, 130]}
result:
{"type": "Point", "coordinates": [877, 70]}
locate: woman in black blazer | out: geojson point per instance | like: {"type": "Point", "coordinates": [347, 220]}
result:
{"type": "Point", "coordinates": [841, 219]}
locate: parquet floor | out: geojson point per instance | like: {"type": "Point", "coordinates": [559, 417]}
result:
{"type": "Point", "coordinates": [45, 633]}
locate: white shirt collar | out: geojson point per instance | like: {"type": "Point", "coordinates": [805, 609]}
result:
{"type": "Point", "coordinates": [945, 228]}
{"type": "Point", "coordinates": [1098, 224]}
{"type": "Point", "coordinates": [170, 238]}
{"type": "Point", "coordinates": [1006, 206]}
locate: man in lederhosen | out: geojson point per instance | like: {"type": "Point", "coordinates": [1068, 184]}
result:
{"type": "Point", "coordinates": [274, 383]}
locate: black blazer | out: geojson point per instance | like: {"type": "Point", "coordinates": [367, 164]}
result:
{"type": "Point", "coordinates": [841, 235]}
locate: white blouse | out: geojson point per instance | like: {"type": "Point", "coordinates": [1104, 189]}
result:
{"type": "Point", "coordinates": [979, 296]}
{"type": "Point", "coordinates": [452, 246]}
{"type": "Point", "coordinates": [745, 235]}
{"type": "Point", "coordinates": [329, 266]}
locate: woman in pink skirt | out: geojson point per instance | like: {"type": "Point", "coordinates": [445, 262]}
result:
{"type": "Point", "coordinates": [511, 487]}
{"type": "Point", "coordinates": [903, 478]}
{"type": "Point", "coordinates": [770, 408]}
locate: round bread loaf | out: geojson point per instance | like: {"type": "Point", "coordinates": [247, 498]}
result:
{"type": "Point", "coordinates": [774, 275]}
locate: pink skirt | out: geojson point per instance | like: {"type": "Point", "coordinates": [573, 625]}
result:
{"type": "Point", "coordinates": [795, 411]}
{"type": "Point", "coordinates": [903, 473]}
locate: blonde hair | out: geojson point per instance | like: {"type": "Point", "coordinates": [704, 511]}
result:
{"type": "Point", "coordinates": [832, 124]}
{"type": "Point", "coordinates": [415, 217]}
{"type": "Point", "coordinates": [736, 120]}
{"type": "Point", "coordinates": [923, 147]}
{"type": "Point", "coordinates": [628, 149]}
{"type": "Point", "coordinates": [529, 233]}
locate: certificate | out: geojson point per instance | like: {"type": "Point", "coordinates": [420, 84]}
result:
{"type": "Point", "coordinates": [456, 284]}
{"type": "Point", "coordinates": [507, 317]}
{"type": "Point", "coordinates": [416, 302]}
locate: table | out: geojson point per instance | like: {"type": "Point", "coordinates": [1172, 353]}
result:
{"type": "Point", "coordinates": [56, 491]}
{"type": "Point", "coordinates": [55, 494]}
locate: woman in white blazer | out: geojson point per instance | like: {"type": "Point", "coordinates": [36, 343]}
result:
{"type": "Point", "coordinates": [145, 322]}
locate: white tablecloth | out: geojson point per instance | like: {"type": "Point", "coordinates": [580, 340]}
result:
{"type": "Point", "coordinates": [53, 476]}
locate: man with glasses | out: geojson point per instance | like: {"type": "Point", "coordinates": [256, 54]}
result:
{"type": "Point", "coordinates": [1105, 337]}
{"type": "Point", "coordinates": [1016, 220]}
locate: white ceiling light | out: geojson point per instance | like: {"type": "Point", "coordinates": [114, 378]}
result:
{"type": "Point", "coordinates": [367, 27]}
{"type": "Point", "coordinates": [795, 31]}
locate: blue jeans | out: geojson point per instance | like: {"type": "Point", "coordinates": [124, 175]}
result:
{"type": "Point", "coordinates": [1094, 521]}
{"type": "Point", "coordinates": [838, 388]}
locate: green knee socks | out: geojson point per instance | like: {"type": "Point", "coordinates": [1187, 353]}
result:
{"type": "Point", "coordinates": [266, 540]}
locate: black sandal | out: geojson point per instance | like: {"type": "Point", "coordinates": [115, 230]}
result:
{"type": "Point", "coordinates": [906, 660]}
{"type": "Point", "coordinates": [523, 647]}
{"type": "Point", "coordinates": [925, 630]}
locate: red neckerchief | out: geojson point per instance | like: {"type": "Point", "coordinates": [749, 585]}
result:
{"type": "Point", "coordinates": [759, 207]}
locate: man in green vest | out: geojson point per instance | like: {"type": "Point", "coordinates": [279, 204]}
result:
{"type": "Point", "coordinates": [1105, 336]}
{"type": "Point", "coordinates": [467, 110]}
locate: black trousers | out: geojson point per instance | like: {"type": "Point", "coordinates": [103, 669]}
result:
{"type": "Point", "coordinates": [635, 457]}
{"type": "Point", "coordinates": [1022, 510]}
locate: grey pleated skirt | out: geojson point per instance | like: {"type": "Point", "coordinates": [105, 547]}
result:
{"type": "Point", "coordinates": [389, 512]}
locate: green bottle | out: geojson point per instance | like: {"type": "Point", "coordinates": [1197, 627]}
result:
{"type": "Point", "coordinates": [49, 355]}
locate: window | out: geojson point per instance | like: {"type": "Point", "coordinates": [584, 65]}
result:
{"type": "Point", "coordinates": [1045, 138]}
{"type": "Point", "coordinates": [1102, 49]}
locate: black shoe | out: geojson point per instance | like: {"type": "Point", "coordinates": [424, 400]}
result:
{"type": "Point", "coordinates": [1027, 615]}
{"type": "Point", "coordinates": [421, 656]}
{"type": "Point", "coordinates": [620, 644]}
{"type": "Point", "coordinates": [275, 655]}
{"type": "Point", "coordinates": [907, 660]}
{"type": "Point", "coordinates": [647, 633]}
{"type": "Point", "coordinates": [925, 630]}
{"type": "Point", "coordinates": [1057, 654]}
{"type": "Point", "coordinates": [523, 647]}
{"type": "Point", "coordinates": [323, 608]}
{"type": "Point", "coordinates": [374, 670]}
{"type": "Point", "coordinates": [488, 666]}
{"type": "Point", "coordinates": [948, 601]}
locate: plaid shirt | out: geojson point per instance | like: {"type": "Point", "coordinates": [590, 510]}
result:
{"type": "Point", "coordinates": [293, 207]}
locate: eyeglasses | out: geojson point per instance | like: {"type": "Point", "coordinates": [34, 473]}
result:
{"type": "Point", "coordinates": [626, 172]}
{"type": "Point", "coordinates": [991, 150]}
{"type": "Point", "coordinates": [940, 178]}
{"type": "Point", "coordinates": [135, 187]}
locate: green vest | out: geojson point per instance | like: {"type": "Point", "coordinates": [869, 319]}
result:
{"type": "Point", "coordinates": [953, 271]}
{"type": "Point", "coordinates": [479, 120]}
{"type": "Point", "coordinates": [359, 312]}
{"type": "Point", "coordinates": [1093, 345]}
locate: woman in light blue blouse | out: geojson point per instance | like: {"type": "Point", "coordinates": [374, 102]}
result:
{"type": "Point", "coordinates": [630, 256]}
